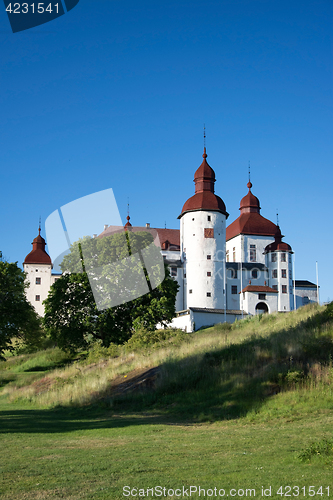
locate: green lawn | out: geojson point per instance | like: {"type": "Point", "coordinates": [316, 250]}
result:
{"type": "Point", "coordinates": [234, 410]}
{"type": "Point", "coordinates": [70, 454]}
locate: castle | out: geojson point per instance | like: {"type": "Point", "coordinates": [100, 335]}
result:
{"type": "Point", "coordinates": [225, 272]}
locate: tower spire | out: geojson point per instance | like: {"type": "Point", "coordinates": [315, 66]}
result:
{"type": "Point", "coordinates": [249, 184]}
{"type": "Point", "coordinates": [128, 225]}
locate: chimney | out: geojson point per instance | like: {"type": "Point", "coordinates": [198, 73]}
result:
{"type": "Point", "coordinates": [95, 235]}
{"type": "Point", "coordinates": [147, 224]}
{"type": "Point", "coordinates": [106, 226]}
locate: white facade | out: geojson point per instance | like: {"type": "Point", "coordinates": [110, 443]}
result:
{"type": "Point", "coordinates": [39, 279]}
{"type": "Point", "coordinates": [202, 243]}
{"type": "Point", "coordinates": [247, 248]}
{"type": "Point", "coordinates": [279, 264]}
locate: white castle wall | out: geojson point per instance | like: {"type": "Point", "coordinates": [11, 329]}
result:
{"type": "Point", "coordinates": [37, 292]}
{"type": "Point", "coordinates": [241, 244]}
{"type": "Point", "coordinates": [196, 248]}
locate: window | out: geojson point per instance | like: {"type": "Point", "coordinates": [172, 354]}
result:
{"type": "Point", "coordinates": [193, 219]}
{"type": "Point", "coordinates": [37, 298]}
{"type": "Point", "coordinates": [262, 296]}
{"type": "Point", "coordinates": [173, 271]}
{"type": "Point", "coordinates": [284, 288]}
{"type": "Point", "coordinates": [234, 289]}
{"type": "Point", "coordinates": [232, 274]}
{"type": "Point", "coordinates": [283, 257]}
{"type": "Point", "coordinates": [290, 274]}
{"type": "Point", "coordinates": [209, 273]}
{"type": "Point", "coordinates": [274, 273]}
{"type": "Point", "coordinates": [190, 291]}
{"type": "Point", "coordinates": [283, 273]}
{"type": "Point", "coordinates": [273, 257]}
{"type": "Point", "coordinates": [234, 254]}
{"type": "Point", "coordinates": [290, 258]}
{"type": "Point", "coordinates": [38, 281]}
{"type": "Point", "coordinates": [209, 257]}
{"type": "Point", "coordinates": [255, 273]}
{"type": "Point", "coordinates": [227, 255]}
{"type": "Point", "coordinates": [208, 218]}
{"type": "Point", "coordinates": [253, 253]}
{"type": "Point", "coordinates": [36, 270]}
{"type": "Point", "coordinates": [209, 294]}
{"type": "Point", "coordinates": [209, 232]}
{"type": "Point", "coordinates": [275, 287]}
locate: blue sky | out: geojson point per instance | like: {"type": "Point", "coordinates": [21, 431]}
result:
{"type": "Point", "coordinates": [114, 94]}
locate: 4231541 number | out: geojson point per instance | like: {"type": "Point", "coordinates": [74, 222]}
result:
{"type": "Point", "coordinates": [295, 491]}
{"type": "Point", "coordinates": [32, 8]}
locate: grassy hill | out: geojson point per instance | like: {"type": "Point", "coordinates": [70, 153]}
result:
{"type": "Point", "coordinates": [247, 405]}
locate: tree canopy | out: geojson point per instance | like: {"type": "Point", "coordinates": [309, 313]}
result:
{"type": "Point", "coordinates": [108, 290]}
{"type": "Point", "coordinates": [18, 318]}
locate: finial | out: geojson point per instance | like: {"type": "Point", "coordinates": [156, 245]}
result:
{"type": "Point", "coordinates": [39, 227]}
{"type": "Point", "coordinates": [249, 184]}
{"type": "Point", "coordinates": [165, 225]}
{"type": "Point", "coordinates": [204, 154]}
{"type": "Point", "coordinates": [277, 217]}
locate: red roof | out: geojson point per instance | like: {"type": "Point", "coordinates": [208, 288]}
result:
{"type": "Point", "coordinates": [204, 197]}
{"type": "Point", "coordinates": [169, 236]}
{"type": "Point", "coordinates": [261, 289]}
{"type": "Point", "coordinates": [250, 202]}
{"type": "Point", "coordinates": [205, 200]}
{"type": "Point", "coordinates": [250, 221]}
{"type": "Point", "coordinates": [278, 244]}
{"type": "Point", "coordinates": [38, 254]}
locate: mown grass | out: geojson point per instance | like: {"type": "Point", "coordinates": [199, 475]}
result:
{"type": "Point", "coordinates": [247, 405]}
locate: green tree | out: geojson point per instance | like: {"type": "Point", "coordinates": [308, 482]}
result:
{"type": "Point", "coordinates": [18, 318]}
{"type": "Point", "coordinates": [72, 317]}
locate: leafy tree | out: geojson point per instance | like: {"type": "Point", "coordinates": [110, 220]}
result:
{"type": "Point", "coordinates": [71, 315]}
{"type": "Point", "coordinates": [18, 318]}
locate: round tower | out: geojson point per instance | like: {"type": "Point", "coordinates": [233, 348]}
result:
{"type": "Point", "coordinates": [202, 243]}
{"type": "Point", "coordinates": [38, 267]}
{"type": "Point", "coordinates": [279, 264]}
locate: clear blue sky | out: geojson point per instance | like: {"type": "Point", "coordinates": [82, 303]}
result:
{"type": "Point", "coordinates": [114, 94]}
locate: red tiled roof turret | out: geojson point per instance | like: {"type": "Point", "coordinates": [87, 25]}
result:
{"type": "Point", "coordinates": [204, 197]}
{"type": "Point", "coordinates": [250, 221]}
{"type": "Point", "coordinates": [278, 244]}
{"type": "Point", "coordinates": [38, 254]}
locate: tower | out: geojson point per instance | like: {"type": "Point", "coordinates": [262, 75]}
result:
{"type": "Point", "coordinates": [279, 264]}
{"type": "Point", "coordinates": [202, 243]}
{"type": "Point", "coordinates": [38, 267]}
